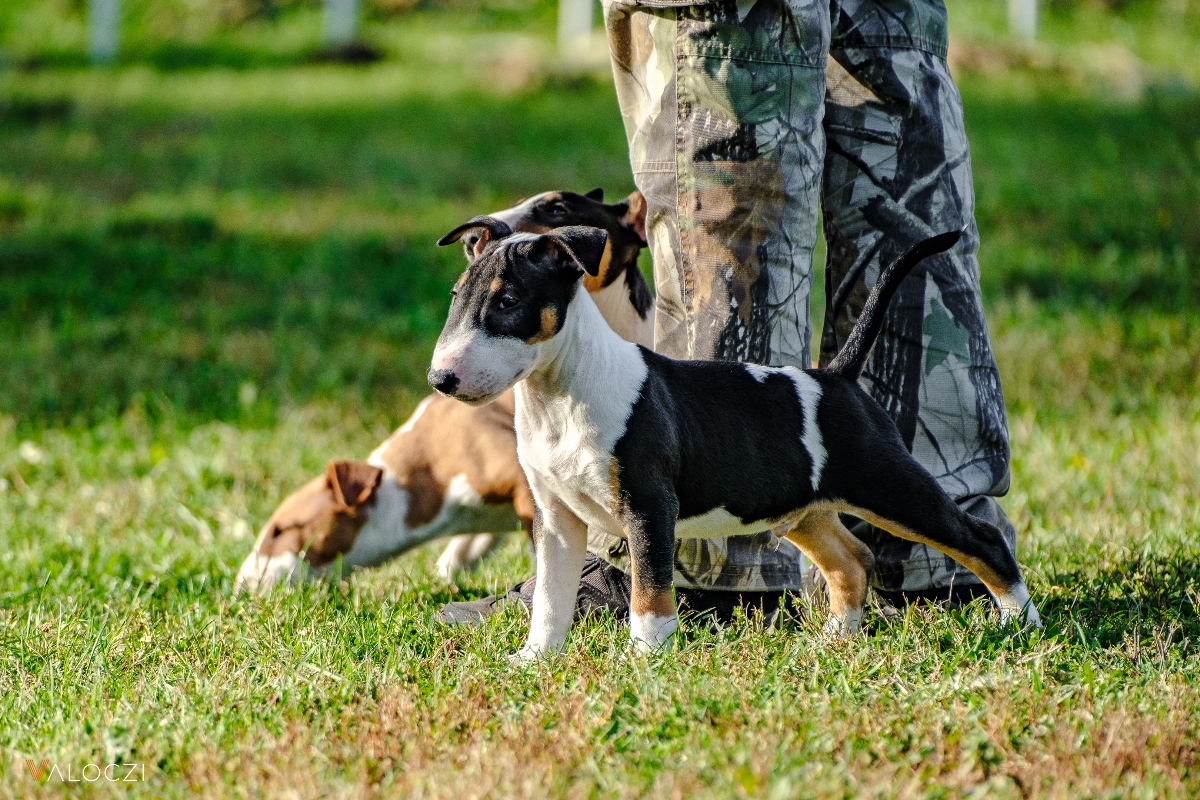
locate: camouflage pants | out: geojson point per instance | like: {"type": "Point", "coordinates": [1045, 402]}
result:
{"type": "Point", "coordinates": [744, 121]}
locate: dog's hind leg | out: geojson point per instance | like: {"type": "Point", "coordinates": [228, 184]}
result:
{"type": "Point", "coordinates": [885, 486]}
{"type": "Point", "coordinates": [844, 561]}
{"type": "Point", "coordinates": [975, 544]}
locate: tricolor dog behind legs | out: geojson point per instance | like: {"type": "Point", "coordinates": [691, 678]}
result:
{"type": "Point", "coordinates": [612, 435]}
{"type": "Point", "coordinates": [450, 470]}
{"type": "Point", "coordinates": [618, 288]}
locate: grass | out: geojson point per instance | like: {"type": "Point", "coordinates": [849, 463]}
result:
{"type": "Point", "coordinates": [215, 274]}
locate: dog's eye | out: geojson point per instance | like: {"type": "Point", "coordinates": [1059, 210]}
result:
{"type": "Point", "coordinates": [556, 210]}
{"type": "Point", "coordinates": [454, 292]}
{"type": "Point", "coordinates": [507, 301]}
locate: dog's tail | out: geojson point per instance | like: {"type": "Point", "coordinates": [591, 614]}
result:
{"type": "Point", "coordinates": [849, 362]}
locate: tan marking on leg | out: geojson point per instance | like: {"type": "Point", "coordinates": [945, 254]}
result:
{"type": "Point", "coordinates": [614, 485]}
{"type": "Point", "coordinates": [652, 601]}
{"type": "Point", "coordinates": [644, 597]}
{"type": "Point", "coordinates": [843, 560]}
{"type": "Point", "coordinates": [990, 579]}
{"type": "Point", "coordinates": [549, 326]}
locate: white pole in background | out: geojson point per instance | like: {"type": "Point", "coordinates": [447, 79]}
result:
{"type": "Point", "coordinates": [341, 22]}
{"type": "Point", "coordinates": [104, 25]}
{"type": "Point", "coordinates": [1022, 18]}
{"type": "Point", "coordinates": [574, 28]}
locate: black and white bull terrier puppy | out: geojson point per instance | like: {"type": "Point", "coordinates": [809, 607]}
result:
{"type": "Point", "coordinates": [613, 435]}
{"type": "Point", "coordinates": [449, 470]}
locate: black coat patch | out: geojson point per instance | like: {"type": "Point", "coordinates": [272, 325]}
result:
{"type": "Point", "coordinates": [752, 463]}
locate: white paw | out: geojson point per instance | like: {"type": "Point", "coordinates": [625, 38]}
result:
{"type": "Point", "coordinates": [448, 569]}
{"type": "Point", "coordinates": [528, 655]}
{"type": "Point", "coordinates": [259, 573]}
{"type": "Point", "coordinates": [454, 558]}
{"type": "Point", "coordinates": [642, 647]}
{"type": "Point", "coordinates": [1024, 617]}
{"type": "Point", "coordinates": [844, 625]}
{"type": "Point", "coordinates": [1017, 605]}
{"type": "Point", "coordinates": [480, 543]}
{"type": "Point", "coordinates": [652, 633]}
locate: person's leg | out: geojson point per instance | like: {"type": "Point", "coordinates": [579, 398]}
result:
{"type": "Point", "coordinates": [897, 170]}
{"type": "Point", "coordinates": [722, 104]}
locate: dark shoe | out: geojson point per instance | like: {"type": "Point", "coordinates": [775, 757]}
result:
{"type": "Point", "coordinates": [719, 608]}
{"type": "Point", "coordinates": [602, 587]}
{"type": "Point", "coordinates": [955, 597]}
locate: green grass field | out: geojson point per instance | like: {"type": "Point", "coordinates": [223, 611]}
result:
{"type": "Point", "coordinates": [217, 271]}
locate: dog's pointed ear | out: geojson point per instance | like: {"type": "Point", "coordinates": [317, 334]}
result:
{"type": "Point", "coordinates": [596, 194]}
{"type": "Point", "coordinates": [476, 233]}
{"type": "Point", "coordinates": [582, 248]}
{"type": "Point", "coordinates": [635, 215]}
{"type": "Point", "coordinates": [352, 482]}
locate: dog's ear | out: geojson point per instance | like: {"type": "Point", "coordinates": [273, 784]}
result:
{"type": "Point", "coordinates": [580, 247]}
{"type": "Point", "coordinates": [476, 232]}
{"type": "Point", "coordinates": [352, 482]}
{"type": "Point", "coordinates": [635, 215]}
{"type": "Point", "coordinates": [596, 194]}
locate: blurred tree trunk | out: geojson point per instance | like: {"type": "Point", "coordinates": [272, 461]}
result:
{"type": "Point", "coordinates": [104, 26]}
{"type": "Point", "coordinates": [341, 22]}
{"type": "Point", "coordinates": [574, 27]}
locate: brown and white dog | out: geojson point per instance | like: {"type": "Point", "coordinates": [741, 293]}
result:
{"type": "Point", "coordinates": [450, 470]}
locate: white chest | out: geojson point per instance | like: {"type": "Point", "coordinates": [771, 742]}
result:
{"type": "Point", "coordinates": [559, 442]}
{"type": "Point", "coordinates": [567, 455]}
{"type": "Point", "coordinates": [572, 412]}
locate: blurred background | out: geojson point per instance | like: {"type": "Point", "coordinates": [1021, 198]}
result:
{"type": "Point", "coordinates": [221, 208]}
{"type": "Point", "coordinates": [222, 213]}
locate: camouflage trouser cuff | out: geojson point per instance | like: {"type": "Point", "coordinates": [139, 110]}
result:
{"type": "Point", "coordinates": [759, 563]}
{"type": "Point", "coordinates": [768, 563]}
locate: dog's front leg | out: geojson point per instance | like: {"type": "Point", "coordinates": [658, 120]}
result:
{"type": "Point", "coordinates": [560, 539]}
{"type": "Point", "coordinates": [463, 552]}
{"type": "Point", "coordinates": [650, 526]}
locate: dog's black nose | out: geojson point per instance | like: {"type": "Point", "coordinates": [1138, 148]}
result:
{"type": "Point", "coordinates": [443, 380]}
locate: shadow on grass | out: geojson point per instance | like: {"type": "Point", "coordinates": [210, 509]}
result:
{"type": "Point", "coordinates": [1146, 596]}
{"type": "Point", "coordinates": [1080, 204]}
{"type": "Point", "coordinates": [1140, 606]}
{"type": "Point", "coordinates": [1083, 202]}
{"type": "Point", "coordinates": [210, 323]}
{"type": "Point", "coordinates": [152, 295]}
{"type": "Point", "coordinates": [180, 57]}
